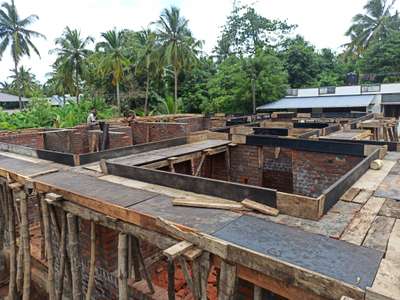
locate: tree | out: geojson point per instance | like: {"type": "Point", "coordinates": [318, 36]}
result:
{"type": "Point", "coordinates": [230, 89]}
{"type": "Point", "coordinates": [14, 33]}
{"type": "Point", "coordinates": [374, 25]}
{"type": "Point", "coordinates": [177, 45]}
{"type": "Point", "coordinates": [26, 82]}
{"type": "Point", "coordinates": [382, 58]}
{"type": "Point", "coordinates": [246, 31]}
{"type": "Point", "coordinates": [114, 58]}
{"type": "Point", "coordinates": [301, 62]}
{"type": "Point", "coordinates": [71, 61]}
{"type": "Point", "coordinates": [147, 58]}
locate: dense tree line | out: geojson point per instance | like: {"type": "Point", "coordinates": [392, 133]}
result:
{"type": "Point", "coordinates": [163, 68]}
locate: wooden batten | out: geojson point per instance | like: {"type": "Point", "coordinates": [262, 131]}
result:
{"type": "Point", "coordinates": [299, 206]}
{"type": "Point", "coordinates": [177, 249]}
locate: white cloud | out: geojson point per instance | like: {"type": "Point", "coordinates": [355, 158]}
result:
{"type": "Point", "coordinates": [323, 22]}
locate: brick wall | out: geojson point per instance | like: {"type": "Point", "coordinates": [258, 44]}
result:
{"type": "Point", "coordinates": [58, 141]}
{"type": "Point", "coordinates": [314, 172]}
{"type": "Point", "coordinates": [277, 169]}
{"type": "Point", "coordinates": [32, 140]}
{"type": "Point", "coordinates": [123, 139]}
{"type": "Point", "coordinates": [153, 132]}
{"type": "Point", "coordinates": [244, 165]}
{"type": "Point", "coordinates": [195, 123]}
{"type": "Point", "coordinates": [80, 140]}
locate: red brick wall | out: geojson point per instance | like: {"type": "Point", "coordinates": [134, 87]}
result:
{"type": "Point", "coordinates": [195, 123]}
{"type": "Point", "coordinates": [314, 172]}
{"type": "Point", "coordinates": [121, 140]}
{"type": "Point", "coordinates": [277, 170]}
{"type": "Point", "coordinates": [32, 140]}
{"type": "Point", "coordinates": [157, 131]}
{"type": "Point", "coordinates": [80, 140]}
{"type": "Point", "coordinates": [244, 165]}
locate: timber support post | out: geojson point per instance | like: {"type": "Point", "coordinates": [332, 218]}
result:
{"type": "Point", "coordinates": [122, 266]}
{"type": "Point", "coordinates": [12, 288]}
{"type": "Point", "coordinates": [74, 255]}
{"type": "Point", "coordinates": [227, 281]}
{"type": "Point", "coordinates": [49, 250]}
{"type": "Point", "coordinates": [25, 244]}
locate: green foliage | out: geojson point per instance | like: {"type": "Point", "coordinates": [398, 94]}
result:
{"type": "Point", "coordinates": [231, 88]}
{"type": "Point", "coordinates": [383, 58]}
{"type": "Point", "coordinates": [40, 113]}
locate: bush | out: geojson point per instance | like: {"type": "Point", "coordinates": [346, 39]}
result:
{"type": "Point", "coordinates": [40, 113]}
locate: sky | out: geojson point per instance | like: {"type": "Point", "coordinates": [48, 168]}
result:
{"type": "Point", "coordinates": [322, 22]}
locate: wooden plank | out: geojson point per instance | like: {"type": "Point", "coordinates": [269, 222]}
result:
{"type": "Point", "coordinates": [387, 282]}
{"type": "Point", "coordinates": [373, 178]}
{"type": "Point", "coordinates": [358, 228]}
{"type": "Point", "coordinates": [202, 203]}
{"type": "Point", "coordinates": [298, 206]}
{"type": "Point", "coordinates": [391, 208]}
{"type": "Point", "coordinates": [260, 207]}
{"type": "Point", "coordinates": [177, 250]}
{"type": "Point", "coordinates": [378, 235]}
{"type": "Point", "coordinates": [350, 194]}
{"type": "Point", "coordinates": [363, 196]}
{"type": "Point", "coordinates": [393, 247]}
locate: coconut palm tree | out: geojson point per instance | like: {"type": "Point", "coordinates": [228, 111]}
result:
{"type": "Point", "coordinates": [375, 24]}
{"type": "Point", "coordinates": [178, 47]}
{"type": "Point", "coordinates": [147, 58]}
{"type": "Point", "coordinates": [72, 53]}
{"type": "Point", "coordinates": [26, 80]}
{"type": "Point", "coordinates": [114, 58]}
{"type": "Point", "coordinates": [14, 33]}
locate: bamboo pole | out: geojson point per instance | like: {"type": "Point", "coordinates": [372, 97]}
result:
{"type": "Point", "coordinates": [92, 260]}
{"type": "Point", "coordinates": [122, 266]}
{"type": "Point", "coordinates": [26, 249]}
{"type": "Point", "coordinates": [49, 250]}
{"type": "Point", "coordinates": [11, 230]}
{"type": "Point", "coordinates": [63, 256]}
{"type": "Point", "coordinates": [74, 256]}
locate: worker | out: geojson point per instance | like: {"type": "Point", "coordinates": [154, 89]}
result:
{"type": "Point", "coordinates": [131, 118]}
{"type": "Point", "coordinates": [92, 117]}
{"type": "Point", "coordinates": [93, 134]}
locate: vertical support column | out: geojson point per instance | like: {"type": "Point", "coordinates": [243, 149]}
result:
{"type": "Point", "coordinates": [122, 266]}
{"type": "Point", "coordinates": [63, 256]}
{"type": "Point", "coordinates": [227, 281]}
{"type": "Point", "coordinates": [228, 163]}
{"type": "Point", "coordinates": [49, 250]}
{"type": "Point", "coordinates": [74, 255]}
{"type": "Point", "coordinates": [171, 279]}
{"type": "Point", "coordinates": [3, 224]}
{"type": "Point", "coordinates": [25, 243]}
{"type": "Point", "coordinates": [204, 273]}
{"type": "Point", "coordinates": [135, 248]}
{"type": "Point", "coordinates": [12, 286]}
{"type": "Point", "coordinates": [257, 293]}
{"type": "Point", "coordinates": [92, 260]}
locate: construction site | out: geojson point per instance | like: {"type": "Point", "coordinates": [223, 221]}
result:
{"type": "Point", "coordinates": [276, 205]}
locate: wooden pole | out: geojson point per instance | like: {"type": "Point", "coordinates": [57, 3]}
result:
{"type": "Point", "coordinates": [135, 249]}
{"type": "Point", "coordinates": [74, 256]}
{"type": "Point", "coordinates": [196, 278]}
{"type": "Point", "coordinates": [49, 250]}
{"type": "Point", "coordinates": [257, 293]}
{"type": "Point", "coordinates": [92, 260]}
{"type": "Point", "coordinates": [12, 288]}
{"type": "Point", "coordinates": [204, 273]}
{"type": "Point", "coordinates": [171, 279]}
{"type": "Point", "coordinates": [63, 256]}
{"type": "Point", "coordinates": [42, 252]}
{"type": "Point", "coordinates": [3, 220]}
{"type": "Point", "coordinates": [122, 266]}
{"type": "Point", "coordinates": [25, 241]}
{"type": "Point", "coordinates": [187, 276]}
{"type": "Point", "coordinates": [20, 268]}
{"type": "Point", "coordinates": [227, 281]}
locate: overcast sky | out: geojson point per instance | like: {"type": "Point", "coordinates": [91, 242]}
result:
{"type": "Point", "coordinates": [323, 22]}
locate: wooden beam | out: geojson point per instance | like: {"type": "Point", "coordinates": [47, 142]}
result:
{"type": "Point", "coordinates": [227, 281]}
{"type": "Point", "coordinates": [12, 288]}
{"type": "Point", "coordinates": [203, 203]}
{"type": "Point", "coordinates": [203, 157]}
{"type": "Point", "coordinates": [122, 266]}
{"type": "Point", "coordinates": [171, 279]}
{"type": "Point", "coordinates": [204, 274]}
{"type": "Point", "coordinates": [25, 241]}
{"type": "Point", "coordinates": [62, 256]}
{"type": "Point", "coordinates": [176, 250]}
{"type": "Point", "coordinates": [92, 260]}
{"type": "Point", "coordinates": [73, 244]}
{"type": "Point", "coordinates": [49, 251]}
{"type": "Point", "coordinates": [51, 198]}
{"type": "Point", "coordinates": [146, 274]}
{"type": "Point", "coordinates": [264, 209]}
{"type": "Point", "coordinates": [152, 237]}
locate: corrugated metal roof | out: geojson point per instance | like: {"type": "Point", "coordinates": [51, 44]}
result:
{"type": "Point", "coordinates": [320, 102]}
{"type": "Point", "coordinates": [10, 98]}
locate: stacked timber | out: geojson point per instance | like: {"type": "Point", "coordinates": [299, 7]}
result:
{"type": "Point", "coordinates": [385, 129]}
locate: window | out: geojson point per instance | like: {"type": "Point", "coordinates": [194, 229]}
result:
{"type": "Point", "coordinates": [292, 92]}
{"type": "Point", "coordinates": [327, 90]}
{"type": "Point", "coordinates": [370, 88]}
